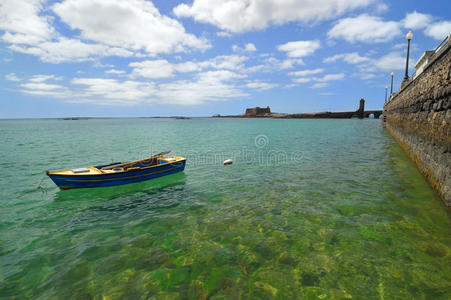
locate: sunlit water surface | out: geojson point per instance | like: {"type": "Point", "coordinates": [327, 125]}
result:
{"type": "Point", "coordinates": [314, 209]}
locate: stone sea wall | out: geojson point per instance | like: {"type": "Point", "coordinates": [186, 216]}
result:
{"type": "Point", "coordinates": [419, 118]}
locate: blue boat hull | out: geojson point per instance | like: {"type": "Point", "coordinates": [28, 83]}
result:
{"type": "Point", "coordinates": [104, 180]}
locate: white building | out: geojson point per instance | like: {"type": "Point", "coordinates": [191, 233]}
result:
{"type": "Point", "coordinates": [422, 62]}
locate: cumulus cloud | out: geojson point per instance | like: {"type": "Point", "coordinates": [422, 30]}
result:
{"type": "Point", "coordinates": [246, 15]}
{"type": "Point", "coordinates": [105, 27]}
{"type": "Point", "coordinates": [187, 66]}
{"type": "Point", "coordinates": [42, 78]}
{"type": "Point", "coordinates": [272, 63]}
{"type": "Point", "coordinates": [45, 89]}
{"type": "Point", "coordinates": [224, 34]}
{"type": "Point", "coordinates": [214, 85]}
{"type": "Point", "coordinates": [115, 72]}
{"type": "Point", "coordinates": [206, 87]}
{"type": "Point", "coordinates": [302, 80]}
{"type": "Point", "coordinates": [391, 61]}
{"type": "Point", "coordinates": [322, 81]}
{"type": "Point", "coordinates": [351, 58]}
{"type": "Point", "coordinates": [438, 30]}
{"type": "Point", "coordinates": [365, 28]}
{"type": "Point", "coordinates": [12, 77]}
{"type": "Point", "coordinates": [249, 47]}
{"type": "Point", "coordinates": [160, 68]}
{"type": "Point", "coordinates": [299, 48]}
{"type": "Point", "coordinates": [133, 24]}
{"type": "Point", "coordinates": [319, 85]}
{"type": "Point", "coordinates": [64, 49]}
{"type": "Point", "coordinates": [230, 62]}
{"type": "Point", "coordinates": [330, 77]}
{"type": "Point", "coordinates": [112, 91]}
{"type": "Point", "coordinates": [260, 85]}
{"type": "Point", "coordinates": [22, 23]}
{"type": "Point", "coordinates": [306, 72]}
{"type": "Point", "coordinates": [416, 20]}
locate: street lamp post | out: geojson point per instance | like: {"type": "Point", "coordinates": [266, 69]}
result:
{"type": "Point", "coordinates": [391, 88]}
{"type": "Point", "coordinates": [386, 87]}
{"type": "Point", "coordinates": [409, 36]}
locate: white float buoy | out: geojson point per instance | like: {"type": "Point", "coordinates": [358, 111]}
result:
{"type": "Point", "coordinates": [228, 162]}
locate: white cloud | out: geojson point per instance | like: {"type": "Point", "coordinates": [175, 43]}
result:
{"type": "Point", "coordinates": [22, 23]}
{"type": "Point", "coordinates": [132, 24]}
{"type": "Point", "coordinates": [42, 86]}
{"type": "Point", "coordinates": [365, 28]}
{"type": "Point", "coordinates": [330, 77]}
{"type": "Point", "coordinates": [152, 69]}
{"type": "Point", "coordinates": [290, 63]}
{"type": "Point", "coordinates": [389, 62]}
{"type": "Point", "coordinates": [224, 34]}
{"type": "Point", "coordinates": [319, 85]}
{"type": "Point", "coordinates": [299, 48]}
{"type": "Point", "coordinates": [321, 80]}
{"type": "Point", "coordinates": [302, 80]}
{"type": "Point", "coordinates": [115, 72]}
{"type": "Point", "coordinates": [218, 85]}
{"type": "Point", "coordinates": [187, 66]}
{"type": "Point", "coordinates": [220, 75]}
{"type": "Point", "coordinates": [104, 27]}
{"type": "Point", "coordinates": [351, 58]}
{"type": "Point", "coordinates": [246, 15]}
{"type": "Point", "coordinates": [208, 86]}
{"type": "Point", "coordinates": [12, 77]}
{"type": "Point", "coordinates": [261, 86]}
{"type": "Point", "coordinates": [230, 62]}
{"type": "Point", "coordinates": [306, 72]}
{"type": "Point", "coordinates": [163, 69]}
{"type": "Point", "coordinates": [112, 91]}
{"type": "Point", "coordinates": [255, 68]}
{"type": "Point", "coordinates": [272, 63]}
{"type": "Point", "coordinates": [366, 76]}
{"type": "Point", "coordinates": [438, 30]}
{"type": "Point", "coordinates": [250, 47]}
{"type": "Point", "coordinates": [45, 89]}
{"type": "Point", "coordinates": [416, 20]}
{"type": "Point", "coordinates": [69, 50]}
{"type": "Point", "coordinates": [42, 78]}
{"type": "Point", "coordinates": [381, 7]}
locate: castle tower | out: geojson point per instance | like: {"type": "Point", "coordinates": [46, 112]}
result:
{"type": "Point", "coordinates": [361, 110]}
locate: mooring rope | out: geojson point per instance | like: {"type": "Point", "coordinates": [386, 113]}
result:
{"type": "Point", "coordinates": [40, 187]}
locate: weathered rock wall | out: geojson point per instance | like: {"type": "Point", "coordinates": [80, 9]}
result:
{"type": "Point", "coordinates": [419, 118]}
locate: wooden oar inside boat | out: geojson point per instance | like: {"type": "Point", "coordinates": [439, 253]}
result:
{"type": "Point", "coordinates": [130, 164]}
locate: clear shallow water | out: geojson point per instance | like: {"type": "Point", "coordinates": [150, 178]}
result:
{"type": "Point", "coordinates": [314, 209]}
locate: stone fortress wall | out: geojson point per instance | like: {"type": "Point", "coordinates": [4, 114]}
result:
{"type": "Point", "coordinates": [418, 116]}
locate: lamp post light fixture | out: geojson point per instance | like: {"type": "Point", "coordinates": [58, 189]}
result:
{"type": "Point", "coordinates": [391, 88]}
{"type": "Point", "coordinates": [409, 36]}
{"type": "Point", "coordinates": [386, 87]}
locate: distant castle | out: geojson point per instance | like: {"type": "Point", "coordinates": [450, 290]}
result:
{"type": "Point", "coordinates": [257, 111]}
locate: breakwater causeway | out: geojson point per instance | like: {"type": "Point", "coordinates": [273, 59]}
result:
{"type": "Point", "coordinates": [418, 116]}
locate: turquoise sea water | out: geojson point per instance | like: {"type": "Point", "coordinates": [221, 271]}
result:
{"type": "Point", "coordinates": [313, 209]}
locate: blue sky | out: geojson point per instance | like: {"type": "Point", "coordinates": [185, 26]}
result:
{"type": "Point", "coordinates": [126, 58]}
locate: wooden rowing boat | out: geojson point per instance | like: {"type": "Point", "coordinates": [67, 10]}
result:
{"type": "Point", "coordinates": [118, 173]}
